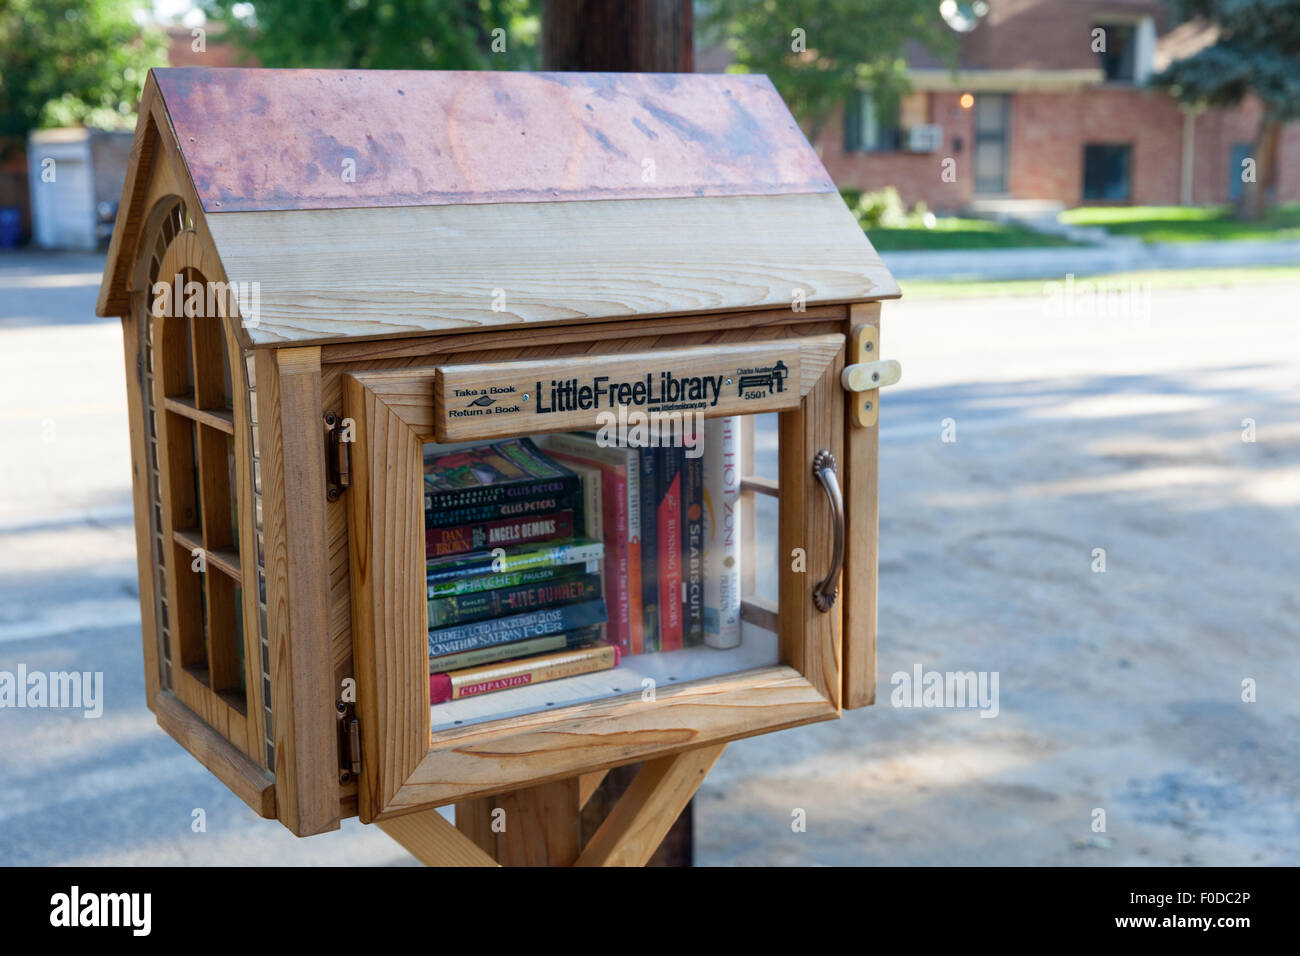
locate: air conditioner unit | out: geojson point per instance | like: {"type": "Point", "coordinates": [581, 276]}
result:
{"type": "Point", "coordinates": [927, 138]}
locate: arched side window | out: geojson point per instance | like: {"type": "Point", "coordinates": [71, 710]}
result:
{"type": "Point", "coordinates": [190, 390]}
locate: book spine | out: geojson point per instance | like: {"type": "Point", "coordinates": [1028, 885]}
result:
{"type": "Point", "coordinates": [476, 514]}
{"type": "Point", "coordinates": [518, 492]}
{"type": "Point", "coordinates": [461, 609]}
{"type": "Point", "coordinates": [722, 532]}
{"type": "Point", "coordinates": [440, 571]}
{"type": "Point", "coordinates": [670, 548]}
{"type": "Point", "coordinates": [511, 579]}
{"type": "Point", "coordinates": [497, 534]}
{"type": "Point", "coordinates": [648, 470]}
{"type": "Point", "coordinates": [519, 627]}
{"type": "Point", "coordinates": [534, 670]}
{"type": "Point", "coordinates": [490, 655]}
{"type": "Point", "coordinates": [636, 623]}
{"type": "Point", "coordinates": [693, 550]}
{"type": "Point", "coordinates": [613, 506]}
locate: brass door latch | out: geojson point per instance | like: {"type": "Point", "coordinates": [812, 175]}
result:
{"type": "Point", "coordinates": [865, 374]}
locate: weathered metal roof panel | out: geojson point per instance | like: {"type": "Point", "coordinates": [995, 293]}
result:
{"type": "Point", "coordinates": [262, 140]}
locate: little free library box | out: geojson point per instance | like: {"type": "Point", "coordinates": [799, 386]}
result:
{"type": "Point", "coordinates": [489, 431]}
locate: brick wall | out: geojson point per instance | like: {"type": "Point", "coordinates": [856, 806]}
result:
{"type": "Point", "coordinates": [916, 176]}
{"type": "Point", "coordinates": [1045, 156]}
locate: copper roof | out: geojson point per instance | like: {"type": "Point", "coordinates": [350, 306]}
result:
{"type": "Point", "coordinates": [257, 139]}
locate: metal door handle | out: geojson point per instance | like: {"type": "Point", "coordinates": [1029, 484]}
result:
{"type": "Point", "coordinates": [827, 589]}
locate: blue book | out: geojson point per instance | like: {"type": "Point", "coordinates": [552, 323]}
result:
{"type": "Point", "coordinates": [518, 627]}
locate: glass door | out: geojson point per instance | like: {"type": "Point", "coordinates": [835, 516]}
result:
{"type": "Point", "coordinates": [585, 558]}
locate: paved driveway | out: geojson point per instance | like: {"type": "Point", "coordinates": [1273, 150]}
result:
{"type": "Point", "coordinates": [1118, 691]}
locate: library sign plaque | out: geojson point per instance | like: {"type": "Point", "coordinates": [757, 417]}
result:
{"type": "Point", "coordinates": [479, 401]}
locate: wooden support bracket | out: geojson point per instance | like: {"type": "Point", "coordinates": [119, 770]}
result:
{"type": "Point", "coordinates": [541, 823]}
{"type": "Point", "coordinates": [435, 842]}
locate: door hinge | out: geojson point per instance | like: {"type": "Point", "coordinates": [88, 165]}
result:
{"type": "Point", "coordinates": [338, 457]}
{"type": "Point", "coordinates": [349, 726]}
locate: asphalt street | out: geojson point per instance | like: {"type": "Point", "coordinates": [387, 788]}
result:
{"type": "Point", "coordinates": [1075, 429]}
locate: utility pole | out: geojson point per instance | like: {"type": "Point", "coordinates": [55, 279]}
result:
{"type": "Point", "coordinates": [623, 36]}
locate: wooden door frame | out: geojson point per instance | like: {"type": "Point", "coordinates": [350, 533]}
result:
{"type": "Point", "coordinates": [405, 768]}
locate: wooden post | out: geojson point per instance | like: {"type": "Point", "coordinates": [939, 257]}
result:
{"type": "Point", "coordinates": [620, 36]}
{"type": "Point", "coordinates": [624, 36]}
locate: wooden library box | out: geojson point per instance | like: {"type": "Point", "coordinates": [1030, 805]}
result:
{"type": "Point", "coordinates": [491, 430]}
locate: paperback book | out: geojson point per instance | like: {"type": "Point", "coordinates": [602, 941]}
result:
{"type": "Point", "coordinates": [514, 477]}
{"type": "Point", "coordinates": [520, 673]}
{"type": "Point", "coordinates": [499, 534]}
{"type": "Point", "coordinates": [464, 608]}
{"type": "Point", "coordinates": [518, 627]}
{"type": "Point", "coordinates": [501, 652]}
{"type": "Point", "coordinates": [444, 574]}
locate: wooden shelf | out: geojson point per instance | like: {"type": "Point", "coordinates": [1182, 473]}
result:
{"type": "Point", "coordinates": [216, 418]}
{"type": "Point", "coordinates": [225, 560]}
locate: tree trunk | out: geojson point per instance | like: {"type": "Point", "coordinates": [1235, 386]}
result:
{"type": "Point", "coordinates": [1253, 201]}
{"type": "Point", "coordinates": [620, 36]}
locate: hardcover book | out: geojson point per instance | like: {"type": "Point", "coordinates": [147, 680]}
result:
{"type": "Point", "coordinates": [721, 532]}
{"type": "Point", "coordinates": [669, 510]}
{"type": "Point", "coordinates": [693, 551]}
{"type": "Point", "coordinates": [581, 450]}
{"type": "Point", "coordinates": [649, 471]}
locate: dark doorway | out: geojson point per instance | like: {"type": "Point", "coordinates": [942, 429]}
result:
{"type": "Point", "coordinates": [992, 119]}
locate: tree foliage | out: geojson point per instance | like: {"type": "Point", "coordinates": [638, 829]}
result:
{"type": "Point", "coordinates": [1257, 52]}
{"type": "Point", "coordinates": [67, 62]}
{"type": "Point", "coordinates": [845, 45]}
{"type": "Point", "coordinates": [382, 34]}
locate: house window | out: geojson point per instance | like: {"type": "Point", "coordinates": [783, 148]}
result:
{"type": "Point", "coordinates": [1106, 171]}
{"type": "Point", "coordinates": [1118, 54]}
{"type": "Point", "coordinates": [871, 124]}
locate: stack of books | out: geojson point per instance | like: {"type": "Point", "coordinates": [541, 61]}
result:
{"type": "Point", "coordinates": [515, 561]}
{"type": "Point", "coordinates": [558, 557]}
{"type": "Point", "coordinates": [671, 527]}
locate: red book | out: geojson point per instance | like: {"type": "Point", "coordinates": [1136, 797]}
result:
{"type": "Point", "coordinates": [613, 506]}
{"type": "Point", "coordinates": [497, 534]}
{"type": "Point", "coordinates": [670, 548]}
{"type": "Point", "coordinates": [505, 675]}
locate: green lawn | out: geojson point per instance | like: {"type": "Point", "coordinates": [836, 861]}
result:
{"type": "Point", "coordinates": [1186, 223]}
{"type": "Point", "coordinates": [1163, 279]}
{"type": "Point", "coordinates": [955, 233]}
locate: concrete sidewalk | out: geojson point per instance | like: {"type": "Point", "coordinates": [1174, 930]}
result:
{"type": "Point", "coordinates": [1113, 255]}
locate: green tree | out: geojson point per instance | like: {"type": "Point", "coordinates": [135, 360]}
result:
{"type": "Point", "coordinates": [1258, 51]}
{"type": "Point", "coordinates": [382, 34]}
{"type": "Point", "coordinates": [818, 52]}
{"type": "Point", "coordinates": [66, 62]}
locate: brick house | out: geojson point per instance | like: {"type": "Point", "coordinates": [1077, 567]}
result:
{"type": "Point", "coordinates": [1033, 113]}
